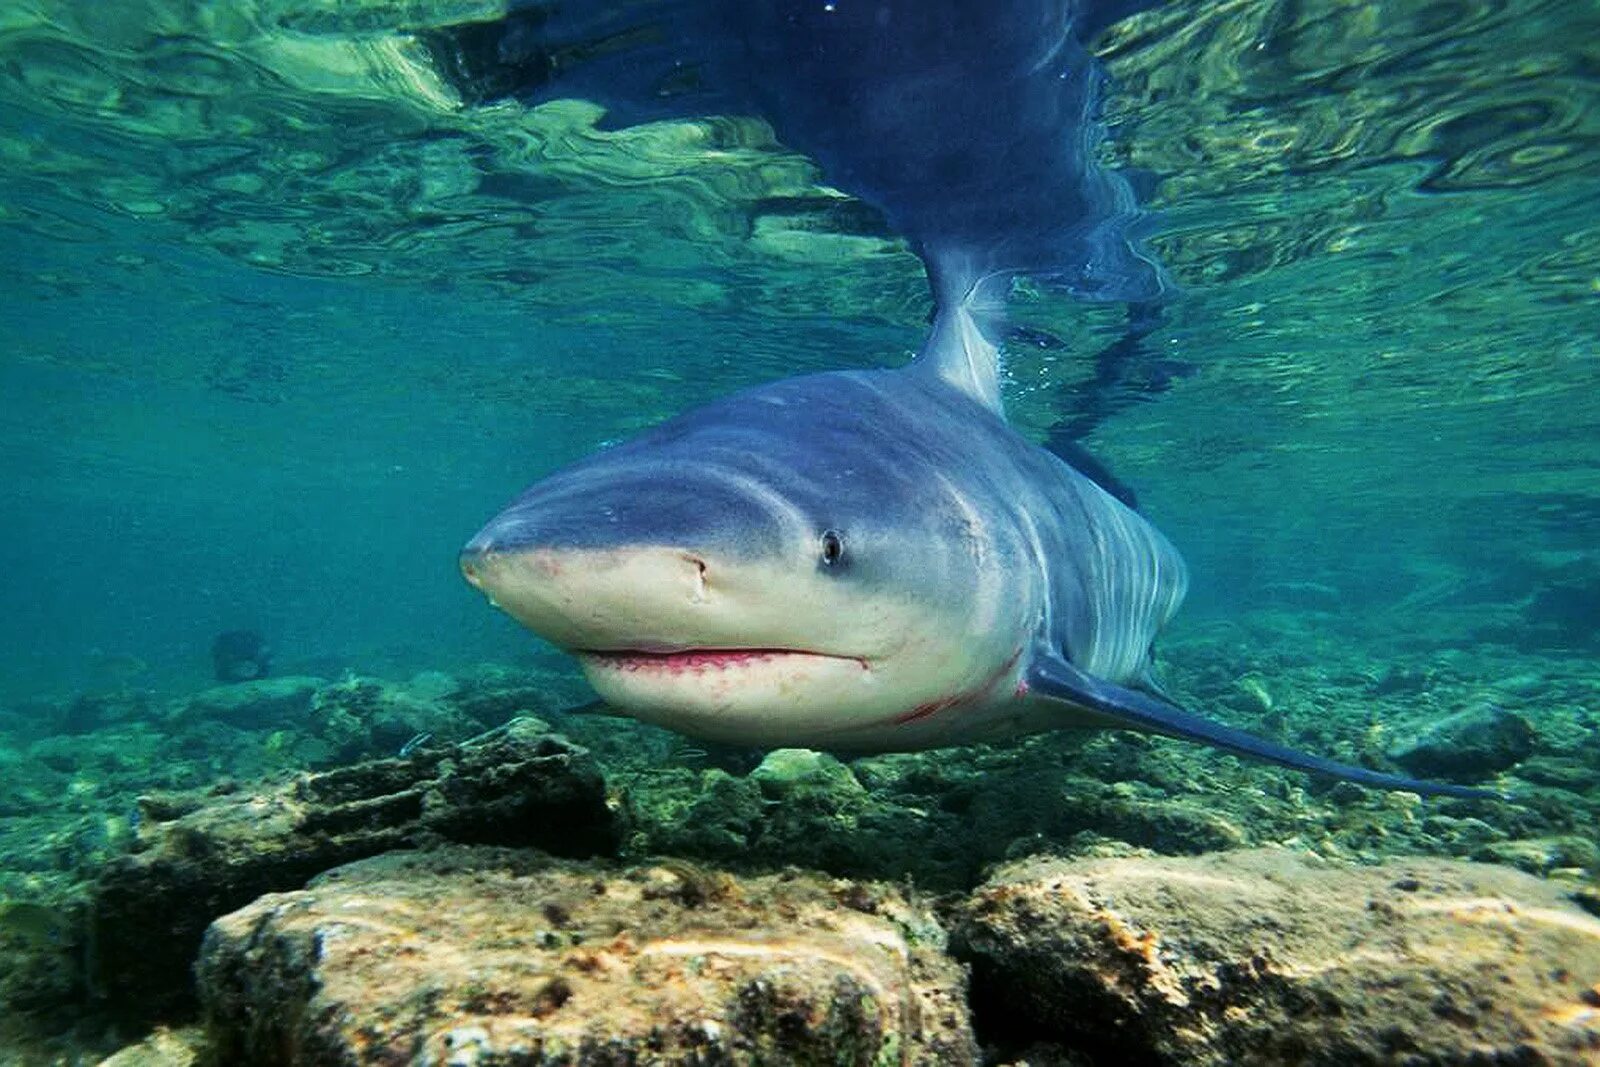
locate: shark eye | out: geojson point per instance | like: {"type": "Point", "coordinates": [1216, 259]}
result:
{"type": "Point", "coordinates": [832, 548]}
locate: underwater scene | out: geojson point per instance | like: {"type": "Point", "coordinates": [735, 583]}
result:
{"type": "Point", "coordinates": [1037, 532]}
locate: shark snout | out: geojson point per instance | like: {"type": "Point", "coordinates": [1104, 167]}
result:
{"type": "Point", "coordinates": [487, 567]}
{"type": "Point", "coordinates": [639, 556]}
{"type": "Point", "coordinates": [640, 597]}
{"type": "Point", "coordinates": [482, 560]}
{"type": "Point", "coordinates": [473, 563]}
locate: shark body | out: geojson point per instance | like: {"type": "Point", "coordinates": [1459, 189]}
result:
{"type": "Point", "coordinates": [865, 561]}
{"type": "Point", "coordinates": [859, 561]}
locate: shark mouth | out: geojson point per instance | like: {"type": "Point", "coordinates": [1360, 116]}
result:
{"type": "Point", "coordinates": [698, 660]}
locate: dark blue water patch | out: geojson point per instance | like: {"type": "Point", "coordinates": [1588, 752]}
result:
{"type": "Point", "coordinates": [971, 128]}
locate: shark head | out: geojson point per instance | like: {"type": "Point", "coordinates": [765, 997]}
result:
{"type": "Point", "coordinates": [781, 567]}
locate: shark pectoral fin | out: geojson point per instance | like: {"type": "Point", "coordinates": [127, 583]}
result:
{"type": "Point", "coordinates": [1147, 682]}
{"type": "Point", "coordinates": [1053, 677]}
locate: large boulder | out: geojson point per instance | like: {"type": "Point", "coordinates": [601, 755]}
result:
{"type": "Point", "coordinates": [200, 856]}
{"type": "Point", "coordinates": [1267, 958]}
{"type": "Point", "coordinates": [507, 957]}
{"type": "Point", "coordinates": [1468, 745]}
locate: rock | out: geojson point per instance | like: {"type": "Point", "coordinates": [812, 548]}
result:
{"type": "Point", "coordinates": [1587, 897]}
{"type": "Point", "coordinates": [163, 1048]}
{"type": "Point", "coordinates": [1170, 826]}
{"type": "Point", "coordinates": [432, 685]}
{"type": "Point", "coordinates": [1250, 694]}
{"type": "Point", "coordinates": [1560, 772]}
{"type": "Point", "coordinates": [200, 857]}
{"type": "Point", "coordinates": [1461, 836]}
{"type": "Point", "coordinates": [1568, 612]}
{"type": "Point", "coordinates": [88, 712]}
{"type": "Point", "coordinates": [790, 772]}
{"type": "Point", "coordinates": [255, 705]}
{"type": "Point", "coordinates": [1265, 958]}
{"type": "Point", "coordinates": [938, 818]}
{"type": "Point", "coordinates": [1542, 855]}
{"type": "Point", "coordinates": [718, 817]}
{"type": "Point", "coordinates": [492, 695]}
{"type": "Point", "coordinates": [482, 955]}
{"type": "Point", "coordinates": [41, 946]}
{"type": "Point", "coordinates": [1527, 684]}
{"type": "Point", "coordinates": [1403, 679]}
{"type": "Point", "coordinates": [1468, 745]}
{"type": "Point", "coordinates": [360, 718]}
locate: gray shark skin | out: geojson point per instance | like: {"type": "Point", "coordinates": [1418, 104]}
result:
{"type": "Point", "coordinates": [862, 561]}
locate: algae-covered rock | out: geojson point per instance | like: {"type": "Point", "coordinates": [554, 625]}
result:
{"type": "Point", "coordinates": [201, 856]}
{"type": "Point", "coordinates": [1562, 772]}
{"type": "Point", "coordinates": [256, 705]}
{"type": "Point", "coordinates": [88, 712]}
{"type": "Point", "coordinates": [183, 1047]}
{"type": "Point", "coordinates": [936, 817]}
{"type": "Point", "coordinates": [1251, 694]}
{"type": "Point", "coordinates": [715, 817]}
{"type": "Point", "coordinates": [41, 949]}
{"type": "Point", "coordinates": [1544, 854]}
{"type": "Point", "coordinates": [1468, 745]}
{"type": "Point", "coordinates": [479, 956]}
{"type": "Point", "coordinates": [360, 718]}
{"type": "Point", "coordinates": [792, 772]}
{"type": "Point", "coordinates": [1169, 826]}
{"type": "Point", "coordinates": [1587, 897]}
{"type": "Point", "coordinates": [432, 685]}
{"type": "Point", "coordinates": [1568, 610]}
{"type": "Point", "coordinates": [1402, 678]}
{"type": "Point", "coordinates": [494, 694]}
{"type": "Point", "coordinates": [1266, 958]}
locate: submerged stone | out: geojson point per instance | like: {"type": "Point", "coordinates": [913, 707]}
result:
{"type": "Point", "coordinates": [483, 955]}
{"type": "Point", "coordinates": [1251, 694]}
{"type": "Point", "coordinates": [256, 705]}
{"type": "Point", "coordinates": [198, 857]}
{"type": "Point", "coordinates": [1401, 678]}
{"type": "Point", "coordinates": [790, 772]}
{"type": "Point", "coordinates": [1256, 959]}
{"type": "Point", "coordinates": [183, 1047]}
{"type": "Point", "coordinates": [1568, 610]}
{"type": "Point", "coordinates": [359, 718]}
{"type": "Point", "coordinates": [1468, 745]}
{"type": "Point", "coordinates": [1543, 855]}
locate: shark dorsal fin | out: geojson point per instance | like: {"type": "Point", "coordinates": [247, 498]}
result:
{"type": "Point", "coordinates": [958, 352]}
{"type": "Point", "coordinates": [967, 310]}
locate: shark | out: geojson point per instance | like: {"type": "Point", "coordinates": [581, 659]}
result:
{"type": "Point", "coordinates": [860, 562]}
{"type": "Point", "coordinates": [867, 561]}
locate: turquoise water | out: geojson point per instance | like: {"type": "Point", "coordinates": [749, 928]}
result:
{"type": "Point", "coordinates": [283, 321]}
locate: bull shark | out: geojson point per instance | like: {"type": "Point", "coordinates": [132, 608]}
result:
{"type": "Point", "coordinates": [876, 561]}
{"type": "Point", "coordinates": [857, 561]}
